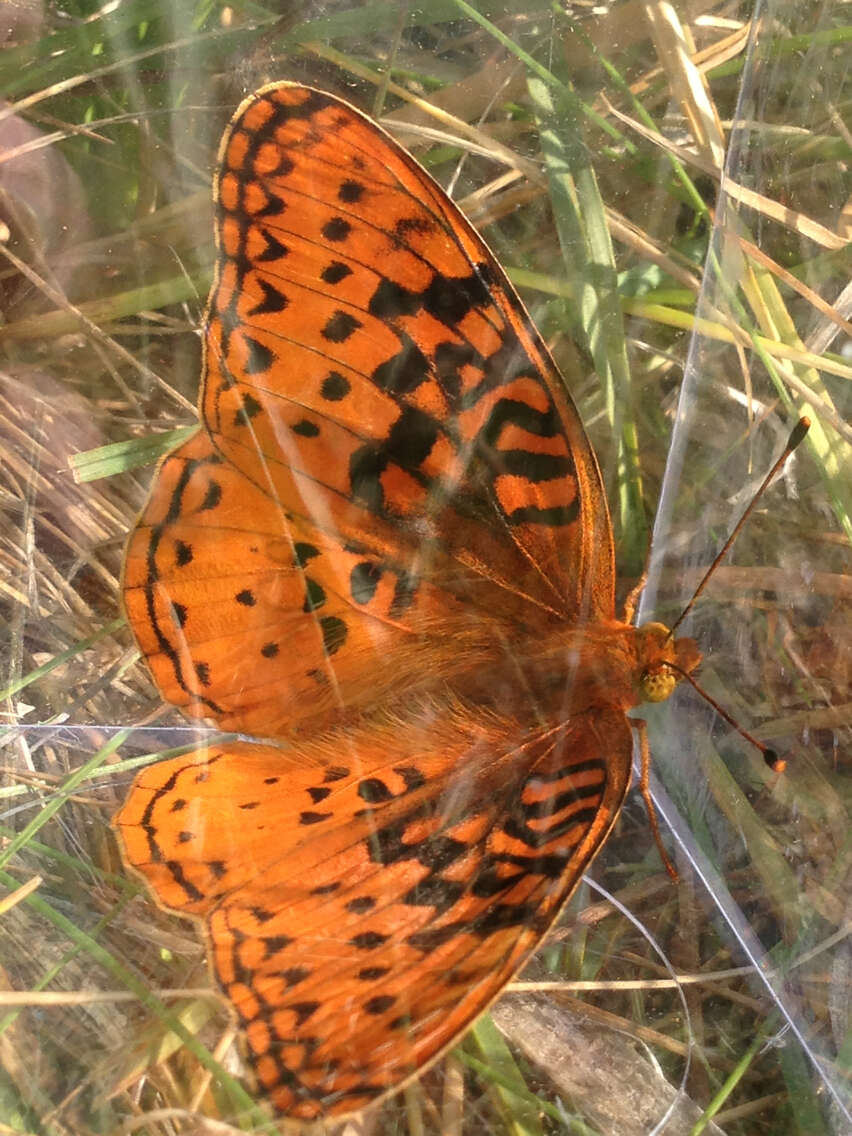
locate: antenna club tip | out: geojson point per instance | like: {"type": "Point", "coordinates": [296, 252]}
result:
{"type": "Point", "coordinates": [775, 762]}
{"type": "Point", "coordinates": [799, 430]}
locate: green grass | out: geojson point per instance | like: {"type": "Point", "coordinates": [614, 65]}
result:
{"type": "Point", "coordinates": [689, 355]}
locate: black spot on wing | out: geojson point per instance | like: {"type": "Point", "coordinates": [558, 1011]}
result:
{"type": "Point", "coordinates": [350, 191]}
{"type": "Point", "coordinates": [335, 773]}
{"type": "Point", "coordinates": [404, 372]}
{"type": "Point", "coordinates": [260, 357]}
{"type": "Point", "coordinates": [335, 272]}
{"type": "Point", "coordinates": [183, 553]}
{"type": "Point", "coordinates": [334, 633]}
{"type": "Point", "coordinates": [369, 940]}
{"type": "Point", "coordinates": [272, 300]}
{"type": "Point", "coordinates": [250, 409]}
{"type": "Point", "coordinates": [315, 595]}
{"type": "Point", "coordinates": [306, 429]}
{"type": "Point", "coordinates": [380, 1004]}
{"type": "Point", "coordinates": [447, 299]}
{"type": "Point", "coordinates": [303, 1010]}
{"type": "Point", "coordinates": [311, 817]}
{"type": "Point", "coordinates": [335, 387]}
{"type": "Point", "coordinates": [303, 553]}
{"type": "Point", "coordinates": [336, 230]}
{"type": "Point", "coordinates": [363, 581]}
{"type": "Point", "coordinates": [361, 904]}
{"type": "Point", "coordinates": [273, 249]}
{"type": "Point", "coordinates": [339, 327]}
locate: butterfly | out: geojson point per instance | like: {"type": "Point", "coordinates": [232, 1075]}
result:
{"type": "Point", "coordinates": [387, 556]}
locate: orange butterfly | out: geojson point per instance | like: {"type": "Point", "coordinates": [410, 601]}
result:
{"type": "Point", "coordinates": [388, 549]}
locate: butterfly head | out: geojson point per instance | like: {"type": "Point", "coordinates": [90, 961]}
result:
{"type": "Point", "coordinates": [664, 660]}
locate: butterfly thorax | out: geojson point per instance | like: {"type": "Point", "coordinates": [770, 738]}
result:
{"type": "Point", "coordinates": [606, 665]}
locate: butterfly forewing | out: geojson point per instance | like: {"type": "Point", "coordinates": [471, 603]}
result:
{"type": "Point", "coordinates": [365, 343]}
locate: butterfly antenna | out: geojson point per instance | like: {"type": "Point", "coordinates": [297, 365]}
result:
{"type": "Point", "coordinates": [776, 763]}
{"type": "Point", "coordinates": [799, 430]}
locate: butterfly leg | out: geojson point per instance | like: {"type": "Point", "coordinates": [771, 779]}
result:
{"type": "Point", "coordinates": [635, 592]}
{"type": "Point", "coordinates": [641, 728]}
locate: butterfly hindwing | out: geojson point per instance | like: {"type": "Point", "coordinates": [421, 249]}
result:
{"type": "Point", "coordinates": [367, 895]}
{"type": "Point", "coordinates": [287, 624]}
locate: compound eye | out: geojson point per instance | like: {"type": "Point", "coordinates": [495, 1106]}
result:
{"type": "Point", "coordinates": [658, 684]}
